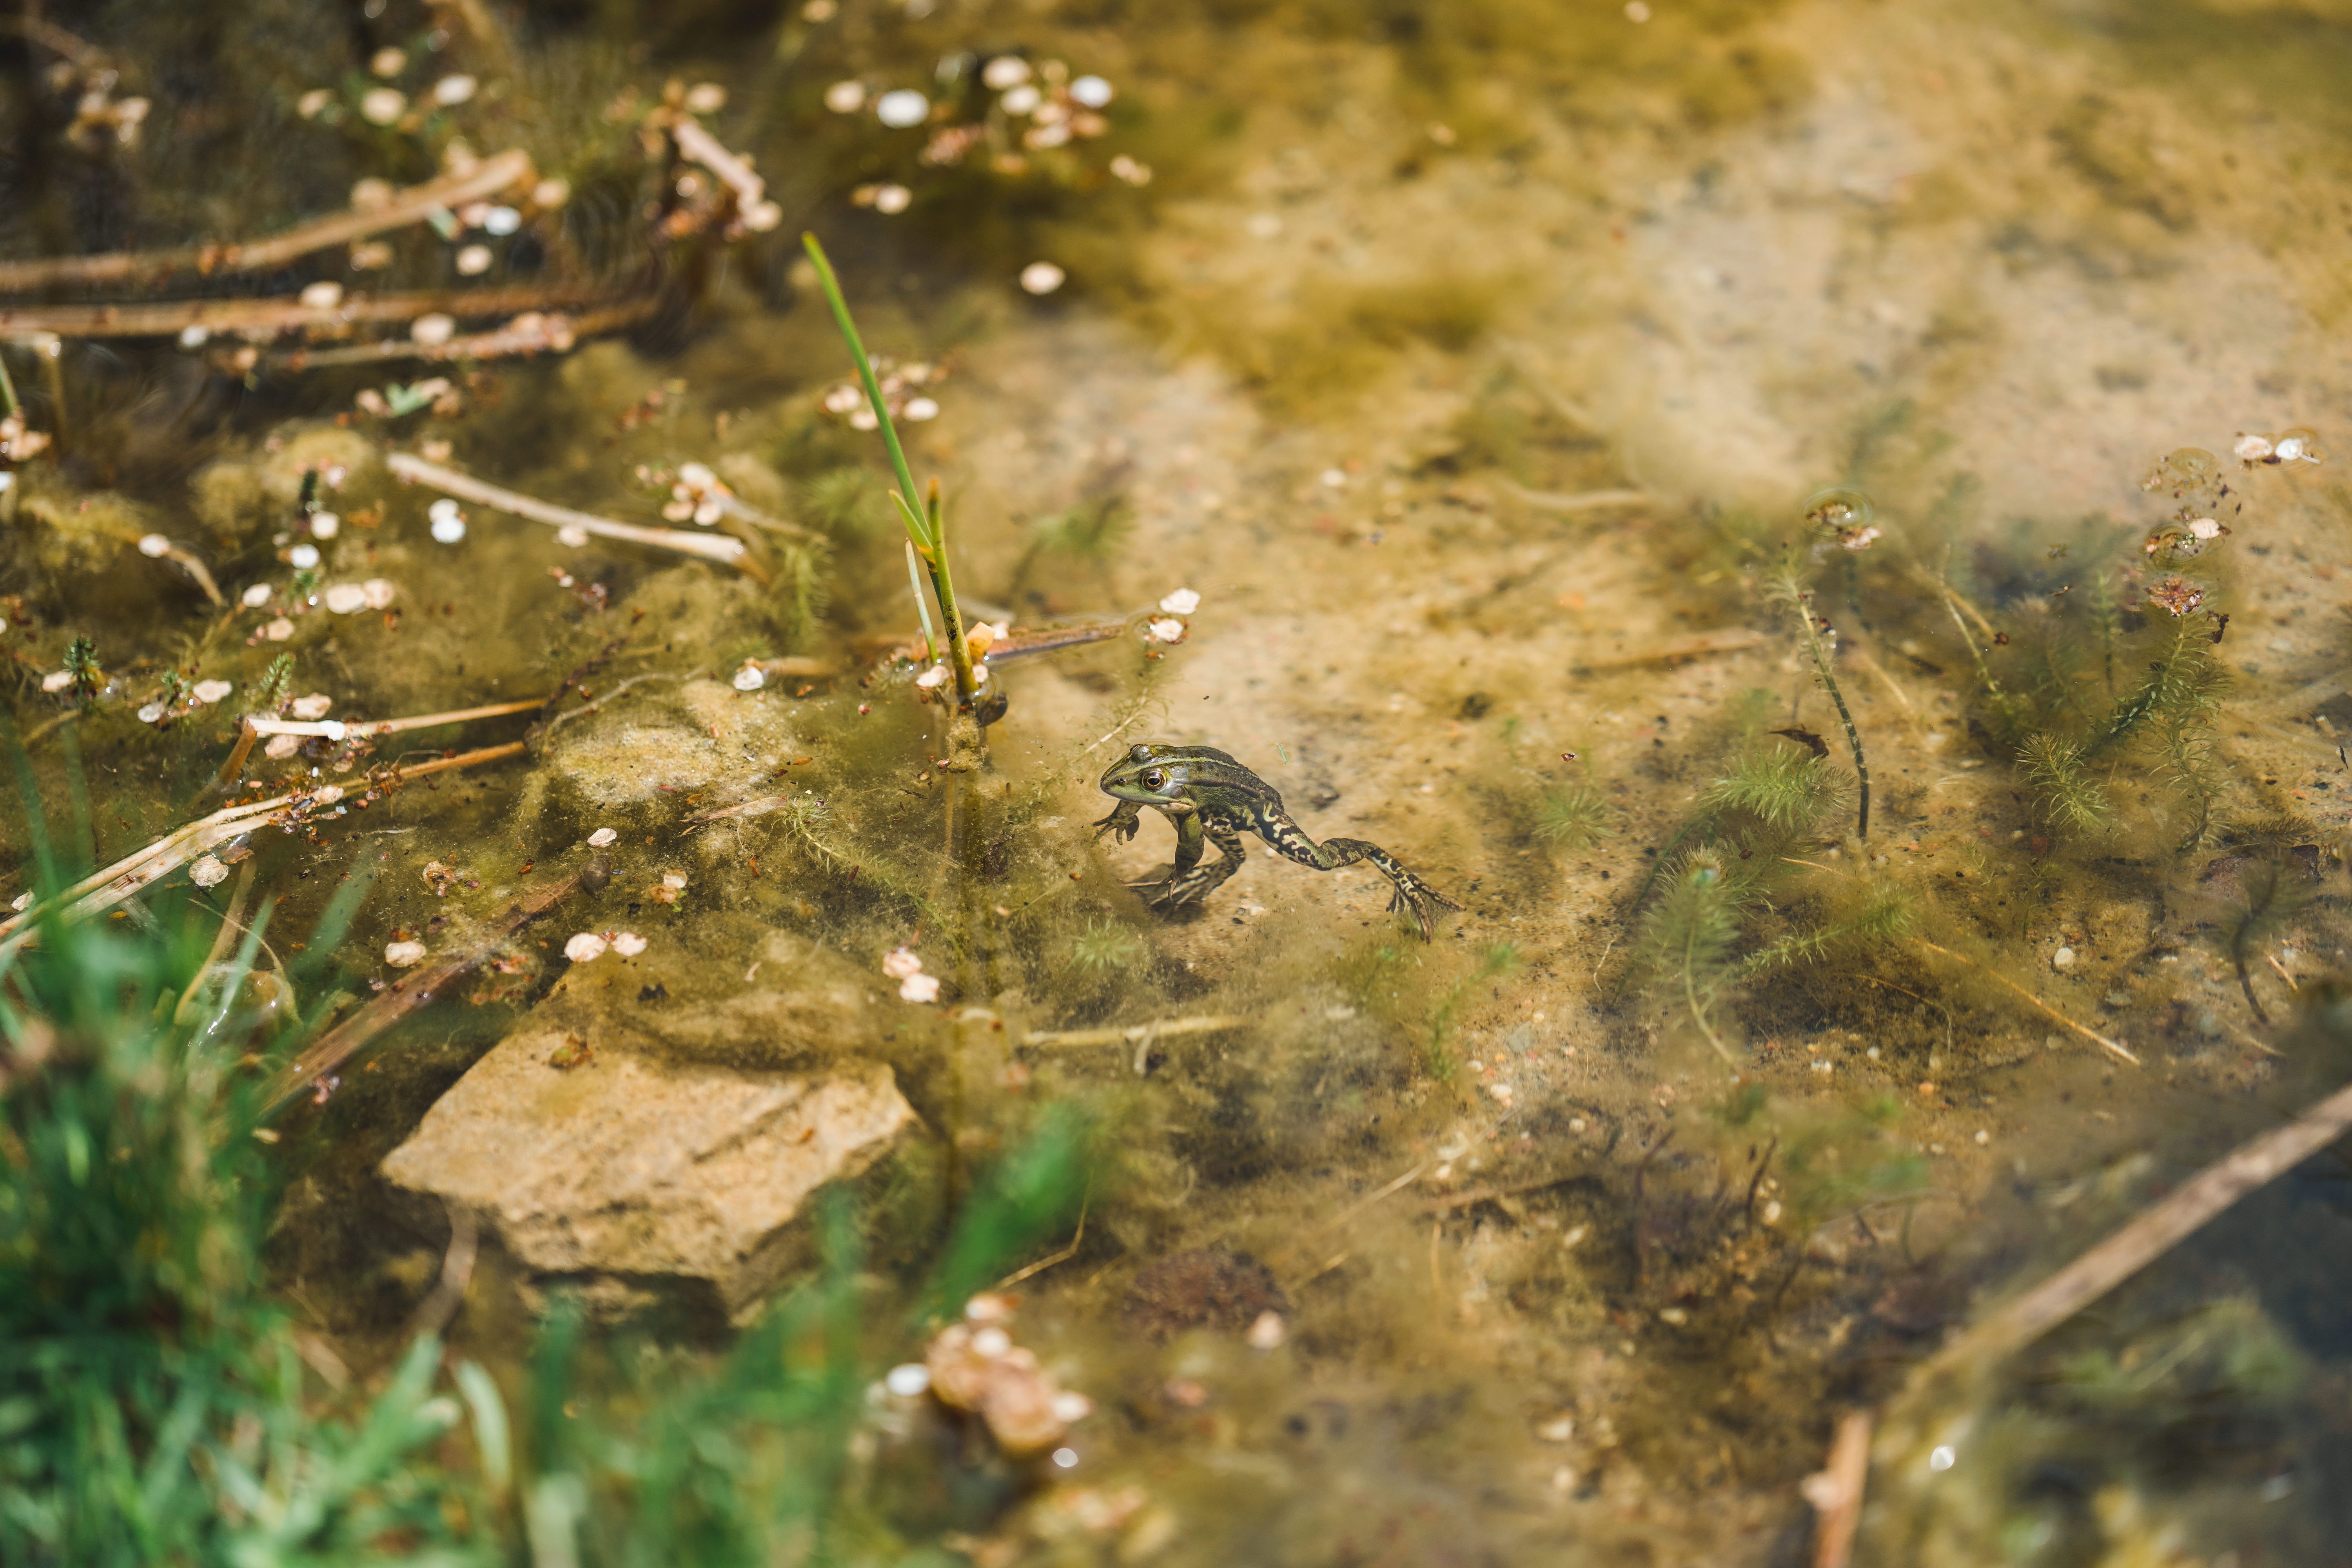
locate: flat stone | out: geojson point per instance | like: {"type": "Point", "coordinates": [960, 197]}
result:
{"type": "Point", "coordinates": [625, 1165]}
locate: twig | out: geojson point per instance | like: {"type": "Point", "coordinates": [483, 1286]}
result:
{"type": "Point", "coordinates": [548, 334]}
{"type": "Point", "coordinates": [1835, 1490]}
{"type": "Point", "coordinates": [1469, 1196]}
{"type": "Point", "coordinates": [1734, 640]}
{"type": "Point", "coordinates": [406, 994]}
{"type": "Point", "coordinates": [724, 548]}
{"type": "Point", "coordinates": [1583, 500]}
{"type": "Point", "coordinates": [414, 205]}
{"type": "Point", "coordinates": [2092, 1035]}
{"type": "Point", "coordinates": [433, 1313]}
{"type": "Point", "coordinates": [2245, 1169]}
{"type": "Point", "coordinates": [707, 149]}
{"type": "Point", "coordinates": [170, 317]}
{"type": "Point", "coordinates": [1116, 1034]}
{"type": "Point", "coordinates": [1042, 1264]}
{"type": "Point", "coordinates": [336, 729]}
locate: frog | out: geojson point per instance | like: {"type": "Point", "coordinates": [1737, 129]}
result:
{"type": "Point", "coordinates": [1209, 797]}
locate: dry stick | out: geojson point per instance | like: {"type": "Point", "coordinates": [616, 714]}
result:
{"type": "Point", "coordinates": [406, 994]}
{"type": "Point", "coordinates": [724, 548]}
{"type": "Point", "coordinates": [170, 317]}
{"type": "Point", "coordinates": [1835, 1491]}
{"type": "Point", "coordinates": [103, 889]}
{"type": "Point", "coordinates": [1583, 500]}
{"type": "Point", "coordinates": [1063, 1256]}
{"type": "Point", "coordinates": [1738, 640]}
{"type": "Point", "coordinates": [336, 729]}
{"type": "Point", "coordinates": [2092, 1035]}
{"type": "Point", "coordinates": [414, 205]}
{"type": "Point", "coordinates": [2251, 1165]}
{"type": "Point", "coordinates": [707, 149]}
{"type": "Point", "coordinates": [1203, 1024]}
{"type": "Point", "coordinates": [555, 334]}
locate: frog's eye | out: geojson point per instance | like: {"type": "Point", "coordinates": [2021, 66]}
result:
{"type": "Point", "coordinates": [1155, 779]}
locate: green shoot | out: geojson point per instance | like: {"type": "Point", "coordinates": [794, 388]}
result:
{"type": "Point", "coordinates": [926, 524]}
{"type": "Point", "coordinates": [1790, 588]}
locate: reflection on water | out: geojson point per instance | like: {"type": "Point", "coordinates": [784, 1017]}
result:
{"type": "Point", "coordinates": [1868, 902]}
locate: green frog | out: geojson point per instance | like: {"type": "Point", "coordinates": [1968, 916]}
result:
{"type": "Point", "coordinates": [1210, 797]}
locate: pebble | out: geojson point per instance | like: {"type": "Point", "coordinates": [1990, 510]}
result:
{"type": "Point", "coordinates": [453, 89]}
{"type": "Point", "coordinates": [388, 62]}
{"type": "Point", "coordinates": [432, 330]}
{"type": "Point", "coordinates": [303, 556]}
{"type": "Point", "coordinates": [278, 630]}
{"type": "Point", "coordinates": [151, 713]}
{"type": "Point", "coordinates": [1091, 90]}
{"type": "Point", "coordinates": [601, 838]}
{"type": "Point", "coordinates": [908, 1380]}
{"type": "Point", "coordinates": [346, 598]}
{"type": "Point", "coordinates": [584, 947]}
{"type": "Point", "coordinates": [210, 691]}
{"type": "Point", "coordinates": [901, 108]}
{"type": "Point", "coordinates": [325, 525]}
{"type": "Point", "coordinates": [321, 296]}
{"type": "Point", "coordinates": [750, 678]}
{"type": "Point", "coordinates": [448, 523]}
{"type": "Point", "coordinates": [919, 409]}
{"type": "Point", "coordinates": [891, 200]}
{"type": "Point", "coordinates": [208, 872]}
{"type": "Point", "coordinates": [401, 954]}
{"type": "Point", "coordinates": [313, 707]}
{"type": "Point", "coordinates": [380, 593]}
{"type": "Point", "coordinates": [1267, 1332]}
{"type": "Point", "coordinates": [473, 262]}
{"type": "Point", "coordinates": [155, 546]}
{"type": "Point", "coordinates": [1182, 602]}
{"type": "Point", "coordinates": [500, 222]}
{"type": "Point", "coordinates": [705, 97]}
{"type": "Point", "coordinates": [845, 97]}
{"type": "Point", "coordinates": [382, 105]}
{"type": "Point", "coordinates": [1023, 100]}
{"type": "Point", "coordinates": [628, 943]}
{"type": "Point", "coordinates": [1004, 72]}
{"type": "Point", "coordinates": [2063, 958]}
{"type": "Point", "coordinates": [1041, 278]}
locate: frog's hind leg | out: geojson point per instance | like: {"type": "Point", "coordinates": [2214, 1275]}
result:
{"type": "Point", "coordinates": [1412, 896]}
{"type": "Point", "coordinates": [1193, 882]}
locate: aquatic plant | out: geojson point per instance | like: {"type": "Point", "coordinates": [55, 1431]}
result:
{"type": "Point", "coordinates": [1788, 585]}
{"type": "Point", "coordinates": [1573, 816]}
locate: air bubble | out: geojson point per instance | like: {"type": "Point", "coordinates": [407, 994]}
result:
{"type": "Point", "coordinates": [1839, 510]}
{"type": "Point", "coordinates": [2193, 465]}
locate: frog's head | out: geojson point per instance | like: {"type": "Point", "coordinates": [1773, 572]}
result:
{"type": "Point", "coordinates": [1153, 775]}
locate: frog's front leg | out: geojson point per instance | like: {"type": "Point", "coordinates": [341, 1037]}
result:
{"type": "Point", "coordinates": [1191, 882]}
{"type": "Point", "coordinates": [1124, 818]}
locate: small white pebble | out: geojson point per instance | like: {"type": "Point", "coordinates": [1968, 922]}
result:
{"type": "Point", "coordinates": [1267, 1332]}
{"type": "Point", "coordinates": [323, 296]}
{"type": "Point", "coordinates": [210, 691]}
{"type": "Point", "coordinates": [750, 678]}
{"type": "Point", "coordinates": [313, 707]}
{"type": "Point", "coordinates": [892, 200]}
{"type": "Point", "coordinates": [2063, 958]}
{"type": "Point", "coordinates": [1041, 278]}
{"type": "Point", "coordinates": [673, 881]}
{"type": "Point", "coordinates": [919, 409]}
{"type": "Point", "coordinates": [453, 89]}
{"type": "Point", "coordinates": [1004, 71]}
{"type": "Point", "coordinates": [908, 1380]}
{"type": "Point", "coordinates": [433, 329]}
{"type": "Point", "coordinates": [382, 105]}
{"type": "Point", "coordinates": [1165, 631]}
{"type": "Point", "coordinates": [762, 216]}
{"type": "Point", "coordinates": [1772, 1211]}
{"type": "Point", "coordinates": [601, 838]}
{"type": "Point", "coordinates": [346, 598]}
{"type": "Point", "coordinates": [901, 961]}
{"type": "Point", "coordinates": [584, 947]}
{"type": "Point", "coordinates": [991, 1342]}
{"type": "Point", "coordinates": [920, 988]}
{"type": "Point", "coordinates": [401, 954]}
{"type": "Point", "coordinates": [388, 62]}
{"type": "Point", "coordinates": [155, 546]}
{"type": "Point", "coordinates": [313, 102]}
{"type": "Point", "coordinates": [2204, 528]}
{"type": "Point", "coordinates": [1635, 11]}
{"type": "Point", "coordinates": [901, 108]}
{"type": "Point", "coordinates": [705, 97]}
{"type": "Point", "coordinates": [1182, 602]}
{"type": "Point", "coordinates": [194, 337]}
{"type": "Point", "coordinates": [325, 525]}
{"type": "Point", "coordinates": [278, 630]}
{"type": "Point", "coordinates": [1576, 1125]}
{"type": "Point", "coordinates": [2251, 449]}
{"type": "Point", "coordinates": [448, 526]}
{"type": "Point", "coordinates": [473, 262]}
{"type": "Point", "coordinates": [151, 713]}
{"type": "Point", "coordinates": [628, 943]}
{"type": "Point", "coordinates": [1023, 100]}
{"type": "Point", "coordinates": [1983, 1138]}
{"type": "Point", "coordinates": [551, 194]}
{"type": "Point", "coordinates": [282, 746]}
{"type": "Point", "coordinates": [571, 536]}
{"type": "Point", "coordinates": [1335, 479]}
{"type": "Point", "coordinates": [370, 194]}
{"type": "Point", "coordinates": [1675, 1316]}
{"type": "Point", "coordinates": [1071, 1406]}
{"type": "Point", "coordinates": [208, 872]}
{"type": "Point", "coordinates": [21, 902]}
{"type": "Point", "coordinates": [1091, 90]}
{"type": "Point", "coordinates": [845, 97]}
{"type": "Point", "coordinates": [933, 677]}
{"type": "Point", "coordinates": [500, 222]}
{"type": "Point", "coordinates": [1065, 1458]}
{"type": "Point", "coordinates": [303, 556]}
{"type": "Point", "coordinates": [378, 592]}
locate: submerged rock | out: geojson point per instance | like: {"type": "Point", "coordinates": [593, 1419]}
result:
{"type": "Point", "coordinates": [597, 1157]}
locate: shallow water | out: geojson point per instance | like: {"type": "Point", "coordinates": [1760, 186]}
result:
{"type": "Point", "coordinates": [1472, 363]}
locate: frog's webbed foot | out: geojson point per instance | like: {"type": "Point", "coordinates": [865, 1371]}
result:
{"type": "Point", "coordinates": [1412, 896]}
{"type": "Point", "coordinates": [1125, 819]}
{"type": "Point", "coordinates": [1187, 886]}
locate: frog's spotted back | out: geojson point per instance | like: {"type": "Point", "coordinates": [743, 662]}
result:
{"type": "Point", "coordinates": [1209, 794]}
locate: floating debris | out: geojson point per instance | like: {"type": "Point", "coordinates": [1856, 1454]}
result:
{"type": "Point", "coordinates": [402, 954]}
{"type": "Point", "coordinates": [628, 943]}
{"type": "Point", "coordinates": [585, 947]}
{"type": "Point", "coordinates": [207, 871]}
{"type": "Point", "coordinates": [601, 838]}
